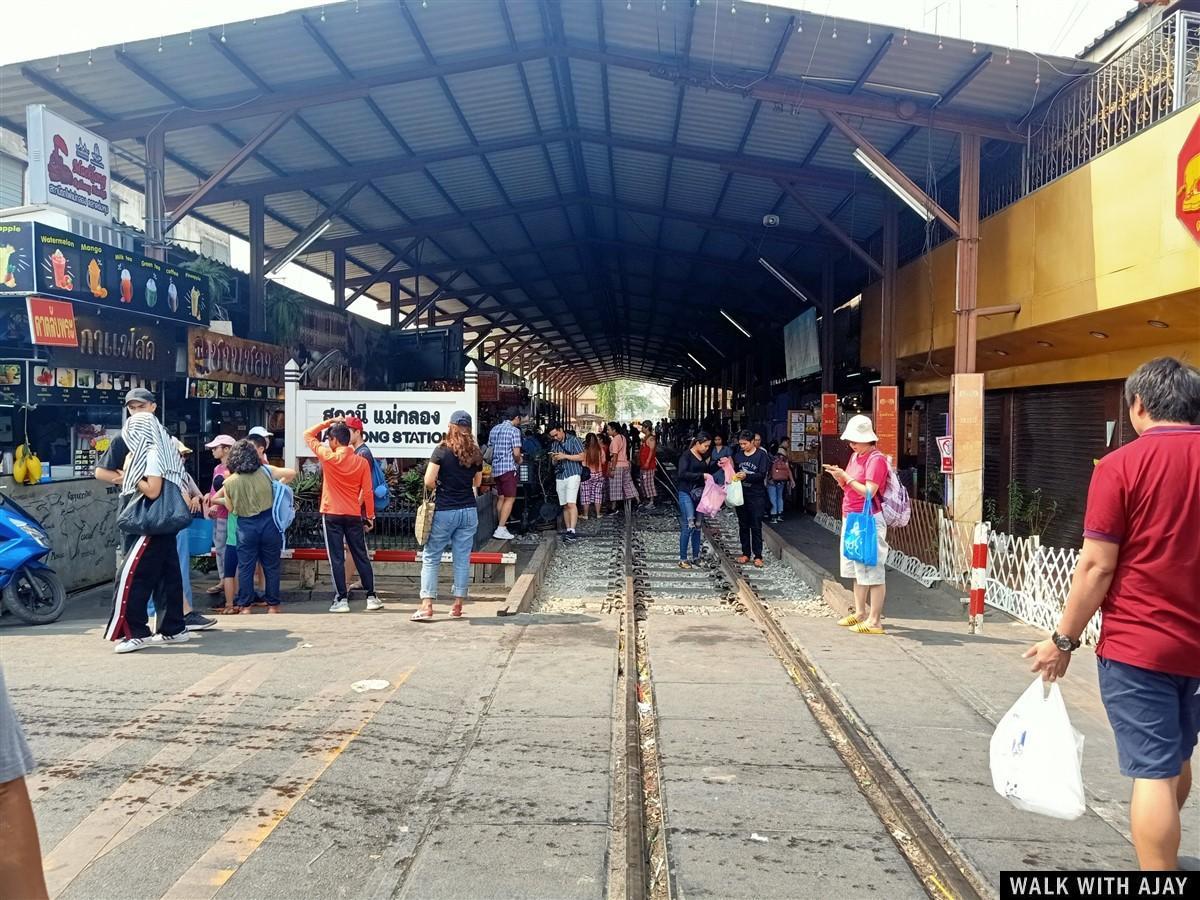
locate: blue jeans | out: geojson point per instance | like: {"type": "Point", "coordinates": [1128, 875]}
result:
{"type": "Point", "coordinates": [259, 542]}
{"type": "Point", "coordinates": [775, 492]}
{"type": "Point", "coordinates": [453, 528]}
{"type": "Point", "coordinates": [689, 526]}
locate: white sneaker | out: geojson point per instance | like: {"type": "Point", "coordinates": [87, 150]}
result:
{"type": "Point", "coordinates": [168, 640]}
{"type": "Point", "coordinates": [339, 606]}
{"type": "Point", "coordinates": [373, 603]}
{"type": "Point", "coordinates": [129, 645]}
{"type": "Point", "coordinates": [503, 534]}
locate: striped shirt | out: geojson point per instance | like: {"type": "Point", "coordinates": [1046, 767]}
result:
{"type": "Point", "coordinates": [568, 468]}
{"type": "Point", "coordinates": [503, 439]}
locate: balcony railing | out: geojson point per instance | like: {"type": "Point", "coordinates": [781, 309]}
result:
{"type": "Point", "coordinates": [1152, 79]}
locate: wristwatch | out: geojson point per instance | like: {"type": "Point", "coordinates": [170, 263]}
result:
{"type": "Point", "coordinates": [1064, 643]}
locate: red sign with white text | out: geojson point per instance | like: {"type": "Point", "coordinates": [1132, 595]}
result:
{"type": "Point", "coordinates": [829, 414]}
{"type": "Point", "coordinates": [887, 420]}
{"type": "Point", "coordinates": [51, 322]}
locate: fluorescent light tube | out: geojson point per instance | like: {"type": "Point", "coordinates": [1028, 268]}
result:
{"type": "Point", "coordinates": [697, 362]}
{"type": "Point", "coordinates": [301, 248]}
{"type": "Point", "coordinates": [894, 186]}
{"type": "Point", "coordinates": [782, 279]}
{"type": "Point", "coordinates": [734, 323]}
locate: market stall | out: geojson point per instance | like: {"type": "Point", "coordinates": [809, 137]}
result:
{"type": "Point", "coordinates": [81, 323]}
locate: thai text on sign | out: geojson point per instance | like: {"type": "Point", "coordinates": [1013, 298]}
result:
{"type": "Point", "coordinates": [51, 322]}
{"type": "Point", "coordinates": [887, 422]}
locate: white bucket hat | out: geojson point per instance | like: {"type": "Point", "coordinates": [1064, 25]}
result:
{"type": "Point", "coordinates": [859, 430]}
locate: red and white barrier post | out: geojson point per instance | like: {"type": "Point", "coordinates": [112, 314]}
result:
{"type": "Point", "coordinates": [979, 566]}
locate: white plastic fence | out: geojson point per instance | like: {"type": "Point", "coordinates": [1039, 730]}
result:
{"type": "Point", "coordinates": [1025, 578]}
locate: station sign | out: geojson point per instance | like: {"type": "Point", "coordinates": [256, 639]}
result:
{"type": "Point", "coordinates": [887, 421]}
{"type": "Point", "coordinates": [36, 258]}
{"type": "Point", "coordinates": [68, 166]}
{"type": "Point", "coordinates": [829, 415]}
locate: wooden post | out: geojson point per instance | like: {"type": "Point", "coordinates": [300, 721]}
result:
{"type": "Point", "coordinates": [339, 279]}
{"type": "Point", "coordinates": [395, 300]}
{"type": "Point", "coordinates": [828, 352]}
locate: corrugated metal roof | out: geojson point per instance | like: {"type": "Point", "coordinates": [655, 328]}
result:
{"type": "Point", "coordinates": [609, 206]}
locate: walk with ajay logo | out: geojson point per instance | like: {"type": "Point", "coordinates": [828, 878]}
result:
{"type": "Point", "coordinates": [1099, 884]}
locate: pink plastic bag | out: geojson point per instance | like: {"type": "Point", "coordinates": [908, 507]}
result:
{"type": "Point", "coordinates": [712, 499]}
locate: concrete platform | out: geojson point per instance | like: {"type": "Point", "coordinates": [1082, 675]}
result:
{"type": "Point", "coordinates": [932, 694]}
{"type": "Point", "coordinates": [758, 804]}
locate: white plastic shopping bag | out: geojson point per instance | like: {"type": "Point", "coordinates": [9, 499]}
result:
{"type": "Point", "coordinates": [1037, 757]}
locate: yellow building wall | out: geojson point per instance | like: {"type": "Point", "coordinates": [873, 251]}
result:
{"type": "Point", "coordinates": [1101, 237]}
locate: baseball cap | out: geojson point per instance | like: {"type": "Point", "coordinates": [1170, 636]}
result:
{"type": "Point", "coordinates": [139, 395]}
{"type": "Point", "coordinates": [459, 417]}
{"type": "Point", "coordinates": [261, 432]}
{"type": "Point", "coordinates": [354, 422]}
{"type": "Point", "coordinates": [221, 440]}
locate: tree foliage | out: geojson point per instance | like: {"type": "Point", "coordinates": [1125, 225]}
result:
{"type": "Point", "coordinates": [606, 400]}
{"type": "Point", "coordinates": [623, 399]}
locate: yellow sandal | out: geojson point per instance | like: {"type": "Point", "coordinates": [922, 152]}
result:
{"type": "Point", "coordinates": [864, 628]}
{"type": "Point", "coordinates": [848, 621]}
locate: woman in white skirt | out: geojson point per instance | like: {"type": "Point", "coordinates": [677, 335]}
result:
{"type": "Point", "coordinates": [865, 474]}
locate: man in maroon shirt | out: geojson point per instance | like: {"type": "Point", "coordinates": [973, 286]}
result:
{"type": "Point", "coordinates": [1140, 564]}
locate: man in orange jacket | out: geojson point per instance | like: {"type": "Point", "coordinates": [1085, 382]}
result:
{"type": "Point", "coordinates": [346, 495]}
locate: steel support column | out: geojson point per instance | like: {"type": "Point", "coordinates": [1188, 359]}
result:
{"type": "Point", "coordinates": [887, 306]}
{"type": "Point", "coordinates": [828, 352]}
{"type": "Point", "coordinates": [339, 279]}
{"type": "Point", "coordinates": [967, 280]}
{"type": "Point", "coordinates": [395, 304]}
{"type": "Point", "coordinates": [156, 160]}
{"type": "Point", "coordinates": [258, 284]}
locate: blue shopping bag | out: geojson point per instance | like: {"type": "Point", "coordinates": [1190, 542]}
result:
{"type": "Point", "coordinates": [860, 543]}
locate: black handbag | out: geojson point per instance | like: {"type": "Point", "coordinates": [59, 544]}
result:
{"type": "Point", "coordinates": [584, 474]}
{"type": "Point", "coordinates": [169, 513]}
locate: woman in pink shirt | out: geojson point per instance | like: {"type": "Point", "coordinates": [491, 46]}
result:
{"type": "Point", "coordinates": [866, 474]}
{"type": "Point", "coordinates": [620, 481]}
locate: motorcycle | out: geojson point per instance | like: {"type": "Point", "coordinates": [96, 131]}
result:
{"type": "Point", "coordinates": [29, 589]}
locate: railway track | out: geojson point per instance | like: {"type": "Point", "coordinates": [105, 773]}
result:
{"type": "Point", "coordinates": [652, 584]}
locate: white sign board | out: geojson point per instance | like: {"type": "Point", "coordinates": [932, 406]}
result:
{"type": "Point", "coordinates": [397, 424]}
{"type": "Point", "coordinates": [69, 166]}
{"type": "Point", "coordinates": [946, 450]}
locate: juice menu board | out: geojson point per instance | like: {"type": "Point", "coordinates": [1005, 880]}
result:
{"type": "Point", "coordinates": [37, 258]}
{"type": "Point", "coordinates": [68, 385]}
{"type": "Point", "coordinates": [207, 389]}
{"type": "Point", "coordinates": [13, 383]}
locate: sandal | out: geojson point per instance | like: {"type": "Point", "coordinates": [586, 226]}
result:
{"type": "Point", "coordinates": [684, 564]}
{"type": "Point", "coordinates": [246, 610]}
{"type": "Point", "coordinates": [742, 560]}
{"type": "Point", "coordinates": [456, 611]}
{"type": "Point", "coordinates": [758, 564]}
{"type": "Point", "coordinates": [424, 614]}
{"type": "Point", "coordinates": [224, 610]}
{"type": "Point", "coordinates": [214, 590]}
{"type": "Point", "coordinates": [848, 620]}
{"type": "Point", "coordinates": [864, 628]}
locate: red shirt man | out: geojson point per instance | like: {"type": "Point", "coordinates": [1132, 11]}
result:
{"type": "Point", "coordinates": [1141, 563]}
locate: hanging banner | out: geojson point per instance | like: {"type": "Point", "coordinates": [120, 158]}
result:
{"type": "Point", "coordinates": [887, 421]}
{"type": "Point", "coordinates": [800, 346]}
{"type": "Point", "coordinates": [222, 357]}
{"type": "Point", "coordinates": [35, 258]}
{"type": "Point", "coordinates": [489, 387]}
{"type": "Point", "coordinates": [51, 322]}
{"type": "Point", "coordinates": [829, 415]}
{"type": "Point", "coordinates": [68, 166]}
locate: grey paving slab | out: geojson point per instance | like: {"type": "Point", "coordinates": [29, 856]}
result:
{"type": "Point", "coordinates": [533, 862]}
{"type": "Point", "coordinates": [745, 743]}
{"type": "Point", "coordinates": [790, 865]}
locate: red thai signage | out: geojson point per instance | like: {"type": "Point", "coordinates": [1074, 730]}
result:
{"type": "Point", "coordinates": [829, 415]}
{"type": "Point", "coordinates": [887, 421]}
{"type": "Point", "coordinates": [489, 387]}
{"type": "Point", "coordinates": [1187, 182]}
{"type": "Point", "coordinates": [51, 322]}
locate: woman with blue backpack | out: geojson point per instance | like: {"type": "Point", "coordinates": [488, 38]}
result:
{"type": "Point", "coordinates": [257, 493]}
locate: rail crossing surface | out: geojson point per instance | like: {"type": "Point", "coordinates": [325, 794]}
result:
{"type": "Point", "coordinates": [643, 731]}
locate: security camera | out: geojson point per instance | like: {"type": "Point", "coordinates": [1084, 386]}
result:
{"type": "Point", "coordinates": [770, 221]}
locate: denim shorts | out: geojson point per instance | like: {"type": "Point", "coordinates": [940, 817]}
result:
{"type": "Point", "coordinates": [1155, 717]}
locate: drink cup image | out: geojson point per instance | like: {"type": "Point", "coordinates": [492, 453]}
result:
{"type": "Point", "coordinates": [173, 296]}
{"type": "Point", "coordinates": [151, 292]}
{"type": "Point", "coordinates": [126, 286]}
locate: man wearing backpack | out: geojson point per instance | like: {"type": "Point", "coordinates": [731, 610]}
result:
{"type": "Point", "coordinates": [378, 487]}
{"type": "Point", "coordinates": [347, 508]}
